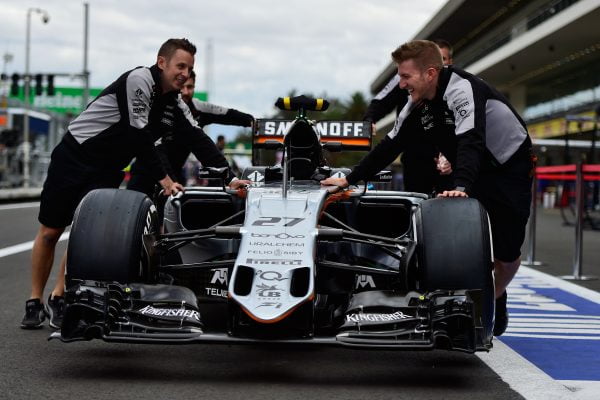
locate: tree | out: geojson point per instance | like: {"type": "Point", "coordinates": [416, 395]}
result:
{"type": "Point", "coordinates": [356, 107]}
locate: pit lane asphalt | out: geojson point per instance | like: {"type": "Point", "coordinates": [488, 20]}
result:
{"type": "Point", "coordinates": [32, 367]}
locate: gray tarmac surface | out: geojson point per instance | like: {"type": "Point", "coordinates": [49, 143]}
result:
{"type": "Point", "coordinates": [32, 367]}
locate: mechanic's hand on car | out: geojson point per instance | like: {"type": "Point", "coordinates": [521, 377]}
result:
{"type": "Point", "coordinates": [337, 183]}
{"type": "Point", "coordinates": [443, 165]}
{"type": "Point", "coordinates": [170, 187]}
{"type": "Point", "coordinates": [239, 183]}
{"type": "Point", "coordinates": [453, 193]}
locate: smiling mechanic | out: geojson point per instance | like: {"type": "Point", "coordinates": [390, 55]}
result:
{"type": "Point", "coordinates": [482, 135]}
{"type": "Point", "coordinates": [424, 169]}
{"type": "Point", "coordinates": [123, 122]}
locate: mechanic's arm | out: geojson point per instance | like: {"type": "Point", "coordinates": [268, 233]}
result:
{"type": "Point", "coordinates": [213, 114]}
{"type": "Point", "coordinates": [377, 159]}
{"type": "Point", "coordinates": [391, 97]}
{"type": "Point", "coordinates": [150, 156]}
{"type": "Point", "coordinates": [139, 93]}
{"type": "Point", "coordinates": [161, 151]}
{"type": "Point", "coordinates": [469, 118]}
{"type": "Point", "coordinates": [209, 155]}
{"type": "Point", "coordinates": [169, 186]}
{"type": "Point", "coordinates": [203, 147]}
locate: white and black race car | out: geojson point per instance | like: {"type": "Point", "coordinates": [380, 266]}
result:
{"type": "Point", "coordinates": [285, 260]}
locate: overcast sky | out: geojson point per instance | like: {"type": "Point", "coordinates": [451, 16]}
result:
{"type": "Point", "coordinates": [261, 49]}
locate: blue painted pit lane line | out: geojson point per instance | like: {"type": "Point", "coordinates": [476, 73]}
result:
{"type": "Point", "coordinates": [555, 325]}
{"type": "Point", "coordinates": [551, 349]}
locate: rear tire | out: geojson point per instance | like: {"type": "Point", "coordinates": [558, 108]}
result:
{"type": "Point", "coordinates": [454, 251]}
{"type": "Point", "coordinates": [105, 243]}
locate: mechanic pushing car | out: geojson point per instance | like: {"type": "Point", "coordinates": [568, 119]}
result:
{"type": "Point", "coordinates": [123, 122]}
{"type": "Point", "coordinates": [424, 168]}
{"type": "Point", "coordinates": [483, 136]}
{"type": "Point", "coordinates": [176, 146]}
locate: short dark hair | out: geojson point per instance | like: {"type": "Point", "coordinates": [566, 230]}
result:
{"type": "Point", "coordinates": [424, 53]}
{"type": "Point", "coordinates": [220, 137]}
{"type": "Point", "coordinates": [192, 76]}
{"type": "Point", "coordinates": [444, 44]}
{"type": "Point", "coordinates": [169, 47]}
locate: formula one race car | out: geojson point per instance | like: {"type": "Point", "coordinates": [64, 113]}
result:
{"type": "Point", "coordinates": [285, 260]}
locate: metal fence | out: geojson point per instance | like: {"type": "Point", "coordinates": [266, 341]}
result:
{"type": "Point", "coordinates": [583, 211]}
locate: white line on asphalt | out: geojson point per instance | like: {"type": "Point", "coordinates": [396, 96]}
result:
{"type": "Point", "coordinates": [553, 324]}
{"type": "Point", "coordinates": [580, 291]}
{"type": "Point", "coordinates": [522, 376]}
{"type": "Point", "coordinates": [21, 247]}
{"type": "Point", "coordinates": [567, 337]}
{"type": "Point", "coordinates": [562, 321]}
{"type": "Point", "coordinates": [585, 389]}
{"type": "Point", "coordinates": [19, 205]}
{"type": "Point", "coordinates": [553, 330]}
{"type": "Point", "coordinates": [552, 315]}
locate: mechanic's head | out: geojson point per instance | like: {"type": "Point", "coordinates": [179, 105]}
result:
{"type": "Point", "coordinates": [176, 61]}
{"type": "Point", "coordinates": [220, 142]}
{"type": "Point", "coordinates": [419, 64]}
{"type": "Point", "coordinates": [446, 49]}
{"type": "Point", "coordinates": [187, 91]}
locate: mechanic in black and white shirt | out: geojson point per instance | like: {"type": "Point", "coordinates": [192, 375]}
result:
{"type": "Point", "coordinates": [424, 168]}
{"type": "Point", "coordinates": [482, 135]}
{"type": "Point", "coordinates": [121, 123]}
{"type": "Point", "coordinates": [176, 144]}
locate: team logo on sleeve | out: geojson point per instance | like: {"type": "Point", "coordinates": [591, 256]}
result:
{"type": "Point", "coordinates": [462, 106]}
{"type": "Point", "coordinates": [138, 106]}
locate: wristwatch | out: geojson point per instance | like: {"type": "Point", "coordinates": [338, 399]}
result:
{"type": "Point", "coordinates": [460, 189]}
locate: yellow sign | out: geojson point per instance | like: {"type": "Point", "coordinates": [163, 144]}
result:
{"type": "Point", "coordinates": [560, 126]}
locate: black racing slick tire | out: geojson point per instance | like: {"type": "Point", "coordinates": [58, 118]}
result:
{"type": "Point", "coordinates": [455, 251]}
{"type": "Point", "coordinates": [106, 239]}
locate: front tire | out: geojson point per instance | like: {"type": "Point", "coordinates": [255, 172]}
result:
{"type": "Point", "coordinates": [105, 243]}
{"type": "Point", "coordinates": [454, 251]}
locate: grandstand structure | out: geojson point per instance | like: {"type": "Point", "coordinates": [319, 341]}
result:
{"type": "Point", "coordinates": [544, 55]}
